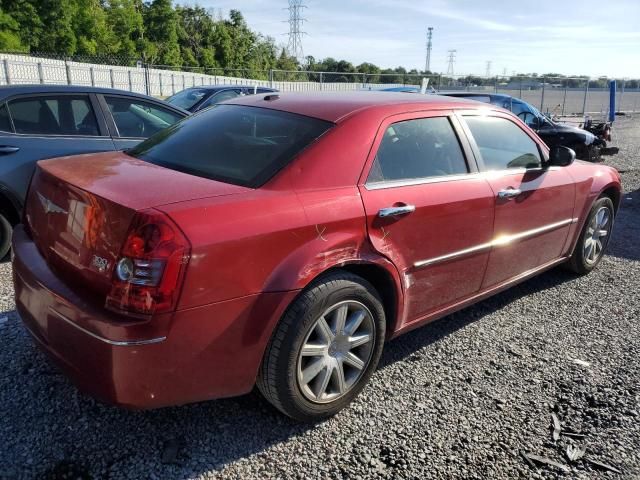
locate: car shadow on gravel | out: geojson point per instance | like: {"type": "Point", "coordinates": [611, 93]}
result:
{"type": "Point", "coordinates": [178, 442]}
{"type": "Point", "coordinates": [626, 230]}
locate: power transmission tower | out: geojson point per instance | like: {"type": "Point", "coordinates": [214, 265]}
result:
{"type": "Point", "coordinates": [294, 47]}
{"type": "Point", "coordinates": [488, 75]}
{"type": "Point", "coordinates": [452, 60]}
{"type": "Point", "coordinates": [427, 66]}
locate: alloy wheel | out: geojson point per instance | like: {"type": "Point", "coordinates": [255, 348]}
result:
{"type": "Point", "coordinates": [336, 351]}
{"type": "Point", "coordinates": [597, 235]}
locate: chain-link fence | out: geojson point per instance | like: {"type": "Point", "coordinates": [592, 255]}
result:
{"type": "Point", "coordinates": [555, 95]}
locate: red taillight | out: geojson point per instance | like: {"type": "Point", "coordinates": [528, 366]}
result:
{"type": "Point", "coordinates": [148, 274]}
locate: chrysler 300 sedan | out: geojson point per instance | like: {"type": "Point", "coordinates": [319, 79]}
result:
{"type": "Point", "coordinates": [279, 240]}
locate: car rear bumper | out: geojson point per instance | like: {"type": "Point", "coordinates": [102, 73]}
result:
{"type": "Point", "coordinates": [191, 355]}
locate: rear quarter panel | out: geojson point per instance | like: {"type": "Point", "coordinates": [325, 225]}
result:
{"type": "Point", "coordinates": [591, 180]}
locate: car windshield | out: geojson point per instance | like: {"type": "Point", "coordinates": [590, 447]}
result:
{"type": "Point", "coordinates": [187, 98]}
{"type": "Point", "coordinates": [232, 143]}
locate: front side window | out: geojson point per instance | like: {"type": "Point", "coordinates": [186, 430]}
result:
{"type": "Point", "coordinates": [54, 115]}
{"type": "Point", "coordinates": [414, 149]}
{"type": "Point", "coordinates": [139, 119]}
{"type": "Point", "coordinates": [232, 143]}
{"type": "Point", "coordinates": [503, 144]}
{"type": "Point", "coordinates": [5, 121]}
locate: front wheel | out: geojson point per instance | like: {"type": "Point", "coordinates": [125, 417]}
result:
{"type": "Point", "coordinates": [5, 236]}
{"type": "Point", "coordinates": [325, 348]}
{"type": "Point", "coordinates": [594, 237]}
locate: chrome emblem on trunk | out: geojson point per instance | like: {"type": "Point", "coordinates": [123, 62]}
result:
{"type": "Point", "coordinates": [100, 263]}
{"type": "Point", "coordinates": [49, 206]}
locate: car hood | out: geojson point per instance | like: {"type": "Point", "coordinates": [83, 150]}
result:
{"type": "Point", "coordinates": [133, 183]}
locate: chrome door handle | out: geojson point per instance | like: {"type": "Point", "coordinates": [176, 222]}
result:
{"type": "Point", "coordinates": [393, 211]}
{"type": "Point", "coordinates": [509, 193]}
{"type": "Point", "coordinates": [7, 149]}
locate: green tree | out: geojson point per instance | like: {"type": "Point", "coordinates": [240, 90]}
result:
{"type": "Point", "coordinates": [9, 33]}
{"type": "Point", "coordinates": [126, 23]}
{"type": "Point", "coordinates": [161, 34]}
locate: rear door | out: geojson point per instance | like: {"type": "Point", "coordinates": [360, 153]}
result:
{"type": "Point", "coordinates": [428, 210]}
{"type": "Point", "coordinates": [533, 206]}
{"type": "Point", "coordinates": [39, 126]}
{"type": "Point", "coordinates": [133, 119]}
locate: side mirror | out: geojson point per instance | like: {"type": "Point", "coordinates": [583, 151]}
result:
{"type": "Point", "coordinates": [561, 157]}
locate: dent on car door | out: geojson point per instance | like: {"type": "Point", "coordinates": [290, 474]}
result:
{"type": "Point", "coordinates": [428, 210]}
{"type": "Point", "coordinates": [36, 127]}
{"type": "Point", "coordinates": [534, 206]}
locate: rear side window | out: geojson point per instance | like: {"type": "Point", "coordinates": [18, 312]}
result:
{"type": "Point", "coordinates": [187, 98]}
{"type": "Point", "coordinates": [54, 115]}
{"type": "Point", "coordinates": [232, 143]}
{"type": "Point", "coordinates": [220, 97]}
{"type": "Point", "coordinates": [421, 148]}
{"type": "Point", "coordinates": [503, 144]}
{"type": "Point", "coordinates": [139, 119]}
{"type": "Point", "coordinates": [5, 121]}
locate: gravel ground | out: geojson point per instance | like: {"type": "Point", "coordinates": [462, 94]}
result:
{"type": "Point", "coordinates": [464, 397]}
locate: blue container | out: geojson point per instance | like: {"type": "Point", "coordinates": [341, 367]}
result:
{"type": "Point", "coordinates": [612, 100]}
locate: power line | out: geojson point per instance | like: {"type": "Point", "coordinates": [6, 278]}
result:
{"type": "Point", "coordinates": [452, 60]}
{"type": "Point", "coordinates": [294, 47]}
{"type": "Point", "coordinates": [427, 66]}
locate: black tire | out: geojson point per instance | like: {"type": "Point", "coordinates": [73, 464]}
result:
{"type": "Point", "coordinates": [579, 263]}
{"type": "Point", "coordinates": [6, 230]}
{"type": "Point", "coordinates": [278, 379]}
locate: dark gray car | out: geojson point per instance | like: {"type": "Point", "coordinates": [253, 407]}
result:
{"type": "Point", "coordinates": [45, 121]}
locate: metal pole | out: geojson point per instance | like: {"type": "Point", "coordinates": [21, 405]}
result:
{"type": "Point", "coordinates": [584, 102]}
{"type": "Point", "coordinates": [321, 81]}
{"type": "Point", "coordinates": [130, 81]}
{"type": "Point", "coordinates": [624, 81]}
{"type": "Point", "coordinates": [147, 87]}
{"type": "Point", "coordinates": [271, 77]}
{"type": "Point", "coordinates": [67, 68]}
{"type": "Point", "coordinates": [564, 99]}
{"type": "Point", "coordinates": [542, 99]}
{"type": "Point", "coordinates": [495, 85]}
{"type": "Point", "coordinates": [520, 87]}
{"type": "Point", "coordinates": [7, 76]}
{"type": "Point", "coordinates": [40, 73]}
{"type": "Point", "coordinates": [93, 80]}
{"type": "Point", "coordinates": [113, 82]}
{"type": "Point", "coordinates": [439, 81]}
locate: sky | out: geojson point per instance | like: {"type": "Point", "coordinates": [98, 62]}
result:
{"type": "Point", "coordinates": [589, 37]}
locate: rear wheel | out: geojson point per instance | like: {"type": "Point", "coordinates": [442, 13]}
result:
{"type": "Point", "coordinates": [594, 237]}
{"type": "Point", "coordinates": [325, 348]}
{"type": "Point", "coordinates": [6, 231]}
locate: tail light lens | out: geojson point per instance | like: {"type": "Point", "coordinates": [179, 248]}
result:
{"type": "Point", "coordinates": [148, 275]}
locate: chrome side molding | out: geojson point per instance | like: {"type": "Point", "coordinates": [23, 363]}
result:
{"type": "Point", "coordinates": [499, 241]}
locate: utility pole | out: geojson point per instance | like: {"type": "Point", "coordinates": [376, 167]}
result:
{"type": "Point", "coordinates": [427, 66]}
{"type": "Point", "coordinates": [452, 59]}
{"type": "Point", "coordinates": [488, 74]}
{"type": "Point", "coordinates": [294, 47]}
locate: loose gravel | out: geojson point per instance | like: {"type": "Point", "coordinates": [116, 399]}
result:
{"type": "Point", "coordinates": [465, 397]}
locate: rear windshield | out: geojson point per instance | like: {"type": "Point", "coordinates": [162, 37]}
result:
{"type": "Point", "coordinates": [232, 143]}
{"type": "Point", "coordinates": [187, 98]}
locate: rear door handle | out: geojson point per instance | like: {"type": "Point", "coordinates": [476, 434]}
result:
{"type": "Point", "coordinates": [8, 149]}
{"type": "Point", "coordinates": [393, 211]}
{"type": "Point", "coordinates": [509, 193]}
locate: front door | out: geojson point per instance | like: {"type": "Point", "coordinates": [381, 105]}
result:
{"type": "Point", "coordinates": [428, 210]}
{"type": "Point", "coordinates": [533, 205]}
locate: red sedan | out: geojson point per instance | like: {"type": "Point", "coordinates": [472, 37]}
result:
{"type": "Point", "coordinates": [279, 240]}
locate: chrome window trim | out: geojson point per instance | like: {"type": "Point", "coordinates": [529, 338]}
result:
{"type": "Point", "coordinates": [453, 178]}
{"type": "Point", "coordinates": [499, 241]}
{"type": "Point", "coordinates": [420, 181]}
{"type": "Point", "coordinates": [118, 343]}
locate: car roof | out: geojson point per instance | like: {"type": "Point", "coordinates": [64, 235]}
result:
{"type": "Point", "coordinates": [335, 106]}
{"type": "Point", "coordinates": [9, 90]}
{"type": "Point", "coordinates": [474, 94]}
{"type": "Point", "coordinates": [227, 87]}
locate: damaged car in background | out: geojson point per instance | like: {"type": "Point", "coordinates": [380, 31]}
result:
{"type": "Point", "coordinates": [589, 142]}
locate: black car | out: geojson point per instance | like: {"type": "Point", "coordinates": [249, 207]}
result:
{"type": "Point", "coordinates": [198, 98]}
{"type": "Point", "coordinates": [586, 145]}
{"type": "Point", "coordinates": [45, 121]}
